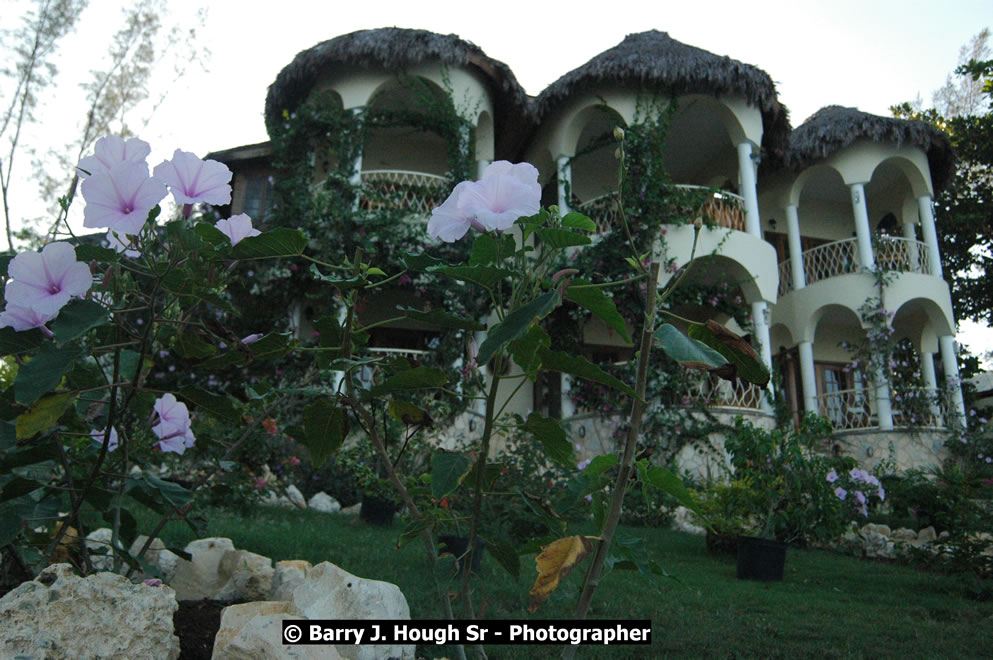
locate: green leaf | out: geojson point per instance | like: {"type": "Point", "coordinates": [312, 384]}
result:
{"type": "Point", "coordinates": [553, 439]}
{"type": "Point", "coordinates": [737, 351]}
{"type": "Point", "coordinates": [178, 282]}
{"type": "Point", "coordinates": [15, 343]}
{"type": "Point", "coordinates": [279, 242]}
{"type": "Point", "coordinates": [44, 372]}
{"type": "Point", "coordinates": [667, 482]}
{"type": "Point", "coordinates": [43, 415]}
{"type": "Point", "coordinates": [85, 252]}
{"type": "Point", "coordinates": [215, 405]}
{"type": "Point", "coordinates": [488, 249]}
{"type": "Point", "coordinates": [525, 350]}
{"type": "Point", "coordinates": [688, 352]}
{"type": "Point", "coordinates": [485, 276]}
{"type": "Point", "coordinates": [157, 494]}
{"type": "Point", "coordinates": [448, 471]}
{"type": "Point", "coordinates": [273, 345]}
{"type": "Point", "coordinates": [598, 302]}
{"type": "Point", "coordinates": [583, 368]}
{"type": "Point", "coordinates": [419, 263]}
{"type": "Point", "coordinates": [211, 234]}
{"type": "Point", "coordinates": [418, 378]}
{"type": "Point", "coordinates": [441, 319]}
{"type": "Point", "coordinates": [491, 471]}
{"type": "Point", "coordinates": [324, 428]}
{"type": "Point", "coordinates": [600, 464]}
{"type": "Point", "coordinates": [576, 220]}
{"type": "Point", "coordinates": [515, 324]}
{"type": "Point", "coordinates": [505, 555]}
{"type": "Point", "coordinates": [561, 238]}
{"type": "Point", "coordinates": [342, 285]}
{"type": "Point", "coordinates": [191, 346]}
{"type": "Point", "coordinates": [32, 455]}
{"type": "Point", "coordinates": [407, 413]}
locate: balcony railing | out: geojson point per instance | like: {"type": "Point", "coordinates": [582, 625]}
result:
{"type": "Point", "coordinates": [724, 209]}
{"type": "Point", "coordinates": [841, 257]}
{"type": "Point", "coordinates": [847, 409]}
{"type": "Point", "coordinates": [416, 192]}
{"type": "Point", "coordinates": [912, 407]}
{"type": "Point", "coordinates": [718, 393]}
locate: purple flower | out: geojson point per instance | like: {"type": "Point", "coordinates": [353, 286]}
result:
{"type": "Point", "coordinates": [111, 150]}
{"type": "Point", "coordinates": [25, 318]}
{"type": "Point", "coordinates": [193, 180]}
{"type": "Point", "coordinates": [121, 197]}
{"type": "Point", "coordinates": [840, 493]}
{"type": "Point", "coordinates": [582, 464]}
{"type": "Point", "coordinates": [43, 283]}
{"type": "Point", "coordinates": [832, 476]}
{"type": "Point", "coordinates": [505, 193]}
{"type": "Point", "coordinates": [153, 582]}
{"type": "Point", "coordinates": [172, 425]}
{"type": "Point", "coordinates": [98, 438]}
{"type": "Point", "coordinates": [237, 227]}
{"type": "Point", "coordinates": [250, 339]}
{"type": "Point", "coordinates": [860, 497]}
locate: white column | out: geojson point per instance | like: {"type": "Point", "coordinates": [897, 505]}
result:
{"type": "Point", "coordinates": [565, 183]}
{"type": "Point", "coordinates": [931, 384]}
{"type": "Point", "coordinates": [910, 233]}
{"type": "Point", "coordinates": [929, 234]}
{"type": "Point", "coordinates": [568, 407]}
{"type": "Point", "coordinates": [866, 258]}
{"type": "Point", "coordinates": [796, 248]}
{"type": "Point", "coordinates": [356, 177]}
{"type": "Point", "coordinates": [949, 361]}
{"type": "Point", "coordinates": [746, 170]}
{"type": "Point", "coordinates": [761, 326]}
{"type": "Point", "coordinates": [481, 165]}
{"type": "Point", "coordinates": [884, 412]}
{"type": "Point", "coordinates": [807, 377]}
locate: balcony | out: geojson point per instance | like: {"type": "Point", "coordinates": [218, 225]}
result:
{"type": "Point", "coordinates": [715, 392]}
{"type": "Point", "coordinates": [416, 192]}
{"type": "Point", "coordinates": [892, 253]}
{"type": "Point", "coordinates": [913, 407]}
{"type": "Point", "coordinates": [723, 209]}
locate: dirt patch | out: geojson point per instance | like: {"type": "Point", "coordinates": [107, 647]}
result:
{"type": "Point", "coordinates": [195, 623]}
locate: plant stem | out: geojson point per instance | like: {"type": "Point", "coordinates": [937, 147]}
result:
{"type": "Point", "coordinates": [626, 464]}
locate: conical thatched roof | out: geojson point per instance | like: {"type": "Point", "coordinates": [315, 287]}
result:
{"type": "Point", "coordinates": [834, 127]}
{"type": "Point", "coordinates": [396, 49]}
{"type": "Point", "coordinates": [653, 59]}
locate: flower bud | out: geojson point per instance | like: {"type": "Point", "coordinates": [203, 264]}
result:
{"type": "Point", "coordinates": [618, 133]}
{"type": "Point", "coordinates": [617, 154]}
{"type": "Point", "coordinates": [698, 223]}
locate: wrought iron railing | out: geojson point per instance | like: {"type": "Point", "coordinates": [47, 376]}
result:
{"type": "Point", "coordinates": [716, 392]}
{"type": "Point", "coordinates": [416, 192]}
{"type": "Point", "coordinates": [847, 409]}
{"type": "Point", "coordinates": [912, 407]}
{"type": "Point", "coordinates": [723, 209]}
{"type": "Point", "coordinates": [893, 253]}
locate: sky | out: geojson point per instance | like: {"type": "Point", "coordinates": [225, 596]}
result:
{"type": "Point", "coordinates": [866, 54]}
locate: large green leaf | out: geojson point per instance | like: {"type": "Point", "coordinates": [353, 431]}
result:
{"type": "Point", "coordinates": [342, 285]}
{"type": "Point", "coordinates": [215, 405]}
{"type": "Point", "coordinates": [525, 350]}
{"type": "Point", "coordinates": [688, 352]}
{"type": "Point", "coordinates": [13, 342]}
{"type": "Point", "coordinates": [598, 302]}
{"type": "Point", "coordinates": [157, 494]}
{"type": "Point", "coordinates": [324, 429]}
{"type": "Point", "coordinates": [505, 555]}
{"type": "Point", "coordinates": [85, 252]}
{"type": "Point", "coordinates": [441, 319]}
{"type": "Point", "coordinates": [43, 415]}
{"type": "Point", "coordinates": [582, 368]}
{"type": "Point", "coordinates": [600, 464]}
{"type": "Point", "coordinates": [448, 471]}
{"type": "Point", "coordinates": [273, 345]}
{"type": "Point", "coordinates": [488, 249]}
{"type": "Point", "coordinates": [737, 351]}
{"type": "Point", "coordinates": [418, 378]}
{"type": "Point", "coordinates": [189, 345]}
{"type": "Point", "coordinates": [211, 234]}
{"type": "Point", "coordinates": [420, 262]}
{"type": "Point", "coordinates": [561, 238]}
{"type": "Point", "coordinates": [553, 439]}
{"type": "Point", "coordinates": [329, 336]}
{"type": "Point", "coordinates": [576, 220]}
{"type": "Point", "coordinates": [516, 323]}
{"type": "Point", "coordinates": [44, 372]}
{"type": "Point", "coordinates": [76, 318]}
{"type": "Point", "coordinates": [667, 482]}
{"type": "Point", "coordinates": [279, 242]}
{"type": "Point", "coordinates": [485, 276]}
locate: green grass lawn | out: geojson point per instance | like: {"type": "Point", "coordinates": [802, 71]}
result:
{"type": "Point", "coordinates": [828, 605]}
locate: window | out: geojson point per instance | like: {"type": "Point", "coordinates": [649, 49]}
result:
{"type": "Point", "coordinates": [258, 198]}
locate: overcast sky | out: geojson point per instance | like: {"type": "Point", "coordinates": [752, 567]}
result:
{"type": "Point", "coordinates": [867, 54]}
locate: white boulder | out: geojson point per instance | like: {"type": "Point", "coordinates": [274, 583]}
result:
{"type": "Point", "coordinates": [288, 575]}
{"type": "Point", "coordinates": [198, 578]}
{"type": "Point", "coordinates": [324, 503]}
{"type": "Point", "coordinates": [253, 631]}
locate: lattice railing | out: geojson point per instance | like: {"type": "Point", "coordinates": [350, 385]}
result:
{"type": "Point", "coordinates": [831, 260]}
{"type": "Point", "coordinates": [785, 278]}
{"type": "Point", "coordinates": [720, 393]}
{"type": "Point", "coordinates": [917, 407]}
{"type": "Point", "coordinates": [399, 189]}
{"type": "Point", "coordinates": [723, 209]}
{"type": "Point", "coordinates": [904, 255]}
{"type": "Point", "coordinates": [847, 409]}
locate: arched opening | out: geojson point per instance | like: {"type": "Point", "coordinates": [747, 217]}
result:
{"type": "Point", "coordinates": [843, 388]}
{"type": "Point", "coordinates": [698, 148]}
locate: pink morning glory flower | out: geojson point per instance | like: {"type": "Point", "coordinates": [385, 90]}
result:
{"type": "Point", "coordinates": [98, 438]}
{"type": "Point", "coordinates": [503, 194]}
{"type": "Point", "coordinates": [45, 282]}
{"type": "Point", "coordinates": [832, 476]}
{"type": "Point", "coordinates": [121, 197]}
{"type": "Point", "coordinates": [172, 425]}
{"type": "Point", "coordinates": [193, 180]}
{"type": "Point", "coordinates": [250, 339]}
{"type": "Point", "coordinates": [111, 150]}
{"type": "Point", "coordinates": [25, 318]}
{"type": "Point", "coordinates": [840, 493]}
{"type": "Point", "coordinates": [237, 227]}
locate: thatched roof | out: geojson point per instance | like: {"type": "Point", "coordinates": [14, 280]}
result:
{"type": "Point", "coordinates": [834, 127]}
{"type": "Point", "coordinates": [653, 59]}
{"type": "Point", "coordinates": [396, 49]}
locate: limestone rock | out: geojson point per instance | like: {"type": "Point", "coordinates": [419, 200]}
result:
{"type": "Point", "coordinates": [288, 576]}
{"type": "Point", "coordinates": [98, 545]}
{"type": "Point", "coordinates": [684, 521]}
{"type": "Point", "coordinates": [198, 579]}
{"type": "Point", "coordinates": [249, 576]}
{"type": "Point", "coordinates": [296, 497]}
{"type": "Point", "coordinates": [351, 510]}
{"type": "Point", "coordinates": [332, 593]}
{"type": "Point", "coordinates": [324, 503]}
{"type": "Point", "coordinates": [279, 501]}
{"type": "Point", "coordinates": [60, 615]}
{"type": "Point", "coordinates": [878, 546]}
{"type": "Point", "coordinates": [904, 535]}
{"type": "Point", "coordinates": [927, 535]}
{"type": "Point", "coordinates": [872, 528]}
{"type": "Point", "coordinates": [253, 631]}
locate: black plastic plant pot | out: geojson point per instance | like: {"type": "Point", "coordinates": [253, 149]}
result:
{"type": "Point", "coordinates": [458, 545]}
{"type": "Point", "coordinates": [377, 511]}
{"type": "Point", "coordinates": [760, 559]}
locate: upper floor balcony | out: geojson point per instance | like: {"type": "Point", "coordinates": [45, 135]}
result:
{"type": "Point", "coordinates": [891, 253]}
{"type": "Point", "coordinates": [719, 209]}
{"type": "Point", "coordinates": [404, 190]}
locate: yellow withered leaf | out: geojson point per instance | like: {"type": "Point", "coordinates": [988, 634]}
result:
{"type": "Point", "coordinates": [554, 563]}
